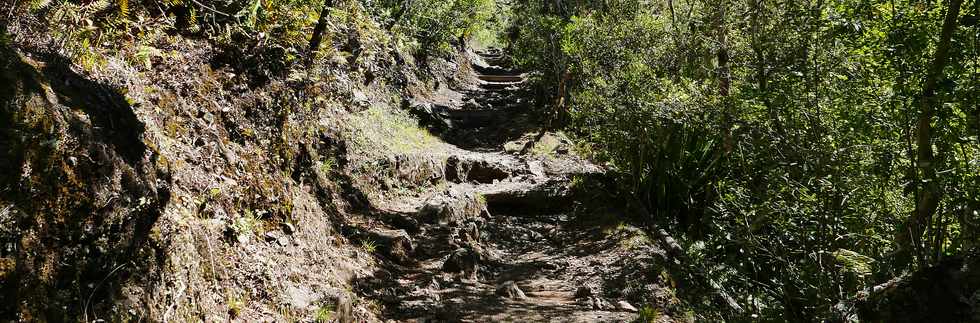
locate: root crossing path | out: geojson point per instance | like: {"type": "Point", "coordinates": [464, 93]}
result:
{"type": "Point", "coordinates": [510, 234]}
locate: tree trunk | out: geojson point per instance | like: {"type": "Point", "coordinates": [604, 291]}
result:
{"type": "Point", "coordinates": [759, 41]}
{"type": "Point", "coordinates": [321, 25]}
{"type": "Point", "coordinates": [675, 64]}
{"type": "Point", "coordinates": [930, 190]}
{"type": "Point", "coordinates": [724, 74]}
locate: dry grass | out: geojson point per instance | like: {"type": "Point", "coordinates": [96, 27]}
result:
{"type": "Point", "coordinates": [380, 130]}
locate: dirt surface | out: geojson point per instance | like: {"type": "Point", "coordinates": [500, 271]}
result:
{"type": "Point", "coordinates": [511, 232]}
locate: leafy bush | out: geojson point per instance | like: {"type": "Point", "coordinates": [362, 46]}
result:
{"type": "Point", "coordinates": [775, 140]}
{"type": "Point", "coordinates": [434, 25]}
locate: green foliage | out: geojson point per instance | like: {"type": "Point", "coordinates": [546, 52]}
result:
{"type": "Point", "coordinates": [432, 26]}
{"type": "Point", "coordinates": [854, 262]}
{"type": "Point", "coordinates": [247, 225]}
{"type": "Point", "coordinates": [288, 21]}
{"type": "Point", "coordinates": [788, 183]}
{"type": "Point", "coordinates": [378, 129]}
{"type": "Point", "coordinates": [327, 166]}
{"type": "Point", "coordinates": [323, 314]}
{"type": "Point", "coordinates": [235, 306]}
{"type": "Point", "coordinates": [648, 314]}
{"type": "Point", "coordinates": [263, 38]}
{"type": "Point", "coordinates": [369, 246]}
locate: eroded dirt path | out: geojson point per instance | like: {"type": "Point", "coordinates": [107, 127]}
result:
{"type": "Point", "coordinates": [507, 236]}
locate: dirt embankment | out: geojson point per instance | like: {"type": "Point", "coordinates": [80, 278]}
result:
{"type": "Point", "coordinates": [190, 186]}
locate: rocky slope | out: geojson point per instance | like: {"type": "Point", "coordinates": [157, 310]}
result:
{"type": "Point", "coordinates": [183, 187]}
{"type": "Point", "coordinates": [508, 233]}
{"type": "Point", "coordinates": [363, 187]}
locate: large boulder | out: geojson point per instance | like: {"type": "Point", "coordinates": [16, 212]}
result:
{"type": "Point", "coordinates": [465, 261]}
{"type": "Point", "coordinates": [453, 206]}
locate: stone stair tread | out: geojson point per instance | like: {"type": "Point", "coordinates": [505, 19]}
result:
{"type": "Point", "coordinates": [523, 245]}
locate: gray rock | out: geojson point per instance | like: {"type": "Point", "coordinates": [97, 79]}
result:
{"type": "Point", "coordinates": [242, 238]}
{"type": "Point", "coordinates": [277, 237]}
{"type": "Point", "coordinates": [469, 168]}
{"type": "Point", "coordinates": [463, 260]}
{"type": "Point", "coordinates": [361, 99]}
{"type": "Point", "coordinates": [601, 304]}
{"type": "Point", "coordinates": [550, 266]}
{"type": "Point", "coordinates": [535, 236]}
{"type": "Point", "coordinates": [471, 104]}
{"type": "Point", "coordinates": [452, 206]}
{"type": "Point", "coordinates": [396, 244]}
{"type": "Point", "coordinates": [300, 298]}
{"type": "Point", "coordinates": [435, 116]}
{"type": "Point", "coordinates": [585, 291]}
{"type": "Point", "coordinates": [625, 306]}
{"type": "Point", "coordinates": [344, 310]}
{"type": "Point", "coordinates": [510, 290]}
{"type": "Point", "coordinates": [472, 232]}
{"type": "Point", "coordinates": [430, 292]}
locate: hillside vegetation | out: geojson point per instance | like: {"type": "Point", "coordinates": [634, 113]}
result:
{"type": "Point", "coordinates": [490, 160]}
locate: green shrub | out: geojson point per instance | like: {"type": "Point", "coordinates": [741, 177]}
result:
{"type": "Point", "coordinates": [786, 177]}
{"type": "Point", "coordinates": [648, 314]}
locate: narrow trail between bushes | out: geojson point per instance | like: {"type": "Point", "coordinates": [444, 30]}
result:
{"type": "Point", "coordinates": [509, 235]}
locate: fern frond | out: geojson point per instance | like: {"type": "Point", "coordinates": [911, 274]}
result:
{"type": "Point", "coordinates": [97, 6]}
{"type": "Point", "coordinates": [39, 4]}
{"type": "Point", "coordinates": [124, 8]}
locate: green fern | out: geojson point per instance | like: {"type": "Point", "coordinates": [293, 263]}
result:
{"type": "Point", "coordinates": [124, 9]}
{"type": "Point", "coordinates": [854, 262]}
{"type": "Point", "coordinates": [39, 4]}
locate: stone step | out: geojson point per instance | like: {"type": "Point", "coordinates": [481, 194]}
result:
{"type": "Point", "coordinates": [502, 61]}
{"type": "Point", "coordinates": [499, 85]}
{"type": "Point", "coordinates": [472, 118]}
{"type": "Point", "coordinates": [493, 70]}
{"type": "Point", "coordinates": [490, 51]}
{"type": "Point", "coordinates": [502, 100]}
{"type": "Point", "coordinates": [501, 78]}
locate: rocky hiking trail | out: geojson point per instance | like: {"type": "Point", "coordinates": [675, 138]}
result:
{"type": "Point", "coordinates": [510, 234]}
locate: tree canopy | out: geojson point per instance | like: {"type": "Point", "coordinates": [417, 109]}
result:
{"type": "Point", "coordinates": [802, 150]}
